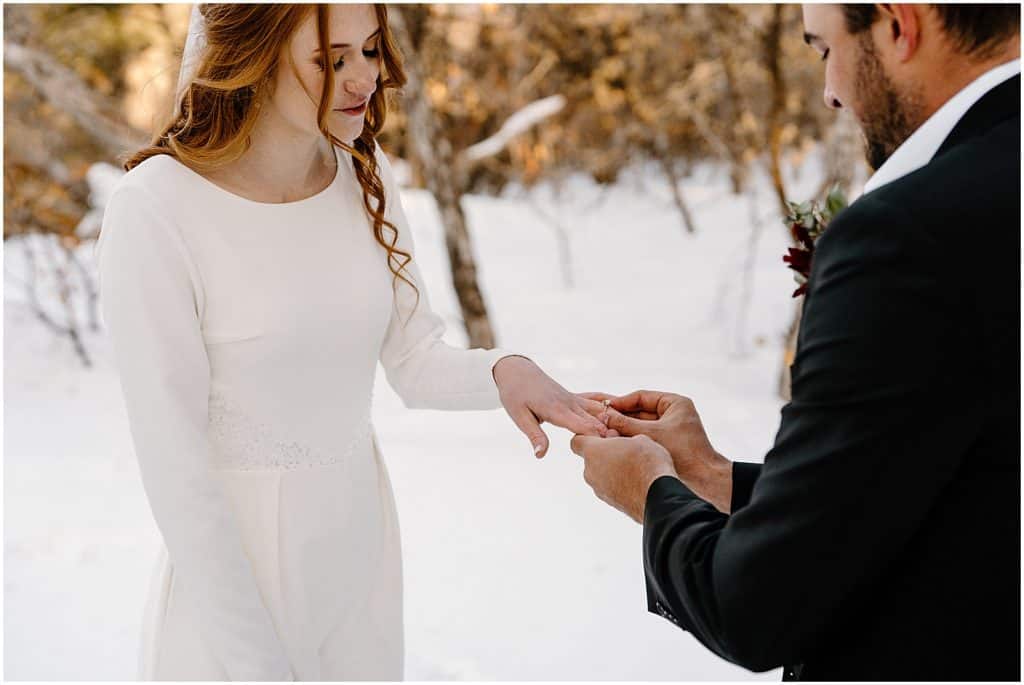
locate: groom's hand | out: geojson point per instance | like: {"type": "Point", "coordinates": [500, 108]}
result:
{"type": "Point", "coordinates": [672, 421]}
{"type": "Point", "coordinates": [621, 470]}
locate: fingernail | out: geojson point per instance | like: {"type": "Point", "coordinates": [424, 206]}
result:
{"type": "Point", "coordinates": [537, 449]}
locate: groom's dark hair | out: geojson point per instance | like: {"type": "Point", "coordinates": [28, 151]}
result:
{"type": "Point", "coordinates": [975, 29]}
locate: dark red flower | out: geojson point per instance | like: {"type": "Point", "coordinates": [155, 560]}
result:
{"type": "Point", "coordinates": [799, 260]}
{"type": "Point", "coordinates": [801, 234]}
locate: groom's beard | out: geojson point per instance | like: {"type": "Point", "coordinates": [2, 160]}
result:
{"type": "Point", "coordinates": [888, 117]}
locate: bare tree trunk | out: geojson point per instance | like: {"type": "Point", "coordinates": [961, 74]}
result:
{"type": "Point", "coordinates": [561, 240]}
{"type": "Point", "coordinates": [672, 176]}
{"type": "Point", "coordinates": [67, 298]}
{"type": "Point", "coordinates": [772, 50]}
{"type": "Point", "coordinates": [842, 154]}
{"type": "Point", "coordinates": [772, 56]}
{"type": "Point", "coordinates": [441, 174]}
{"type": "Point", "coordinates": [747, 284]}
{"type": "Point", "coordinates": [65, 293]}
{"type": "Point", "coordinates": [89, 288]}
{"type": "Point", "coordinates": [789, 353]}
{"type": "Point", "coordinates": [724, 19]}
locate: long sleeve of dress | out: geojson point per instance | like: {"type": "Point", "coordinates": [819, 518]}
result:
{"type": "Point", "coordinates": [152, 298]}
{"type": "Point", "coordinates": [425, 371]}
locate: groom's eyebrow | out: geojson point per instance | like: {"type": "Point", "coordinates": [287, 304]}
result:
{"type": "Point", "coordinates": [348, 45]}
{"type": "Point", "coordinates": [811, 38]}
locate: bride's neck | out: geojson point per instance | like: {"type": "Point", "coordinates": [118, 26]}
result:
{"type": "Point", "coordinates": [282, 164]}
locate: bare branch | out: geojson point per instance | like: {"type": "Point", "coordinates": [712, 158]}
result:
{"type": "Point", "coordinates": [64, 89]}
{"type": "Point", "coordinates": [518, 123]}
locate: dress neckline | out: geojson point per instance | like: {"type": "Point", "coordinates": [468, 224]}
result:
{"type": "Point", "coordinates": [257, 203]}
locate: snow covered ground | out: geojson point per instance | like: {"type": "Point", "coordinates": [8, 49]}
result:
{"type": "Point", "coordinates": [513, 569]}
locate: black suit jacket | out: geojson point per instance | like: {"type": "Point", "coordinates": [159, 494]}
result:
{"type": "Point", "coordinates": [881, 538]}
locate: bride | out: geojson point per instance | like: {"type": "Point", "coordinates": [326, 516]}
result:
{"type": "Point", "coordinates": [255, 264]}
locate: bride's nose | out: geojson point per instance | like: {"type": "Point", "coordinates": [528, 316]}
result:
{"type": "Point", "coordinates": [362, 84]}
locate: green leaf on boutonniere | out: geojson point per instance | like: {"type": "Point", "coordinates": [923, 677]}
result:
{"type": "Point", "coordinates": [835, 202]}
{"type": "Point", "coordinates": [806, 222]}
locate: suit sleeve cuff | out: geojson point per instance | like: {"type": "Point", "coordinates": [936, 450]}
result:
{"type": "Point", "coordinates": [663, 494]}
{"type": "Point", "coordinates": [744, 475]}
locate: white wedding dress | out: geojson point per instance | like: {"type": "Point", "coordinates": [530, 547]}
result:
{"type": "Point", "coordinates": [246, 336]}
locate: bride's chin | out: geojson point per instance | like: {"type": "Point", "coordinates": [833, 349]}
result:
{"type": "Point", "coordinates": [346, 134]}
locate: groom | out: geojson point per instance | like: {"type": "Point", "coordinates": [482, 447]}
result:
{"type": "Point", "coordinates": [881, 537]}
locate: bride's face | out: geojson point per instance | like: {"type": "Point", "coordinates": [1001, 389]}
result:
{"type": "Point", "coordinates": [354, 65]}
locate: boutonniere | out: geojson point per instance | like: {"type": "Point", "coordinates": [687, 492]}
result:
{"type": "Point", "coordinates": [806, 222]}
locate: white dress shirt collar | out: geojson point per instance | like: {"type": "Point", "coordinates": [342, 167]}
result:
{"type": "Point", "coordinates": [917, 150]}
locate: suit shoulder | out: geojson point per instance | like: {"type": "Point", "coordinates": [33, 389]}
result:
{"type": "Point", "coordinates": [971, 186]}
{"type": "Point", "coordinates": [870, 220]}
{"type": "Point", "coordinates": [982, 170]}
{"type": "Point", "coordinates": [878, 238]}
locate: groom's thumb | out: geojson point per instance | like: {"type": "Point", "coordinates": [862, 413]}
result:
{"type": "Point", "coordinates": [627, 425]}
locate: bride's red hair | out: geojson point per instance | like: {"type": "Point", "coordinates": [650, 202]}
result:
{"type": "Point", "coordinates": [216, 115]}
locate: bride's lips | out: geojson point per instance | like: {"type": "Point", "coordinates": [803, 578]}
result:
{"type": "Point", "coordinates": [356, 111]}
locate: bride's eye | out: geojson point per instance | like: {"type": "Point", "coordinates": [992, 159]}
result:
{"type": "Point", "coordinates": [372, 54]}
{"type": "Point", "coordinates": [337, 65]}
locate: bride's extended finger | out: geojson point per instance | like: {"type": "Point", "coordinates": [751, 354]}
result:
{"type": "Point", "coordinates": [596, 421]}
{"type": "Point", "coordinates": [595, 396]}
{"type": "Point", "coordinates": [592, 407]}
{"type": "Point", "coordinates": [581, 424]}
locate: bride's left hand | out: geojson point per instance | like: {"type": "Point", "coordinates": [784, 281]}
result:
{"type": "Point", "coordinates": [531, 397]}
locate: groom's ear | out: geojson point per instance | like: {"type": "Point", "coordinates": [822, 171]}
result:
{"type": "Point", "coordinates": [900, 30]}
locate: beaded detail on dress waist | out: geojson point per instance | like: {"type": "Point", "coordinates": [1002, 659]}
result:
{"type": "Point", "coordinates": [239, 442]}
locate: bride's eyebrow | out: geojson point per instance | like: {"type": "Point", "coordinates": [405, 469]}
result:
{"type": "Point", "coordinates": [348, 45]}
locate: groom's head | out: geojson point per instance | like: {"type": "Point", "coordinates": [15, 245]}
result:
{"type": "Point", "coordinates": [894, 65]}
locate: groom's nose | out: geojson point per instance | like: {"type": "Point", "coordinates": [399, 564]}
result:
{"type": "Point", "coordinates": [831, 101]}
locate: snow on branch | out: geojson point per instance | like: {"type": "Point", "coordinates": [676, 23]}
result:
{"type": "Point", "coordinates": [530, 115]}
